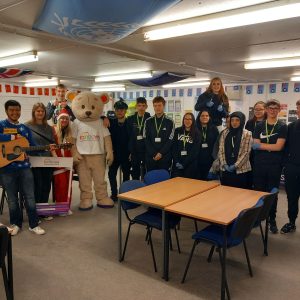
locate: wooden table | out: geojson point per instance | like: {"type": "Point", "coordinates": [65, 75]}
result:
{"type": "Point", "coordinates": [160, 195]}
{"type": "Point", "coordinates": [221, 206]}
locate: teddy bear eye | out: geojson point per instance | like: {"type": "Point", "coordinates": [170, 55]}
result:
{"type": "Point", "coordinates": [93, 107]}
{"type": "Point", "coordinates": [83, 106]}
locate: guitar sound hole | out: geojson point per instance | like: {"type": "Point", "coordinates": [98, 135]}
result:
{"type": "Point", "coordinates": [17, 150]}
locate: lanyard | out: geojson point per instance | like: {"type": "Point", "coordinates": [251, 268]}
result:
{"type": "Point", "coordinates": [232, 143]}
{"type": "Point", "coordinates": [185, 138]}
{"type": "Point", "coordinates": [267, 132]}
{"type": "Point", "coordinates": [140, 125]}
{"type": "Point", "coordinates": [158, 129]}
{"type": "Point", "coordinates": [204, 133]}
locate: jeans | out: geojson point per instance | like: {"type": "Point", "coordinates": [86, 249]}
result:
{"type": "Point", "coordinates": [42, 184]}
{"type": "Point", "coordinates": [138, 165]}
{"type": "Point", "coordinates": [20, 181]}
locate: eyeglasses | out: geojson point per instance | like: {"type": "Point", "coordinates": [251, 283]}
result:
{"type": "Point", "coordinates": [188, 119]}
{"type": "Point", "coordinates": [273, 108]}
{"type": "Point", "coordinates": [258, 110]}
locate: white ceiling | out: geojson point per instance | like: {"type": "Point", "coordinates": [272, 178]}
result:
{"type": "Point", "coordinates": [221, 53]}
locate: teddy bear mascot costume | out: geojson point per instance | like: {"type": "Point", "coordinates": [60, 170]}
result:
{"type": "Point", "coordinates": [92, 149]}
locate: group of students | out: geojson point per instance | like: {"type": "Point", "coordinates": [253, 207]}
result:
{"type": "Point", "coordinates": [250, 155]}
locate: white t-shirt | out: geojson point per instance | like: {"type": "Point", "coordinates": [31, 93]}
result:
{"type": "Point", "coordinates": [89, 136]}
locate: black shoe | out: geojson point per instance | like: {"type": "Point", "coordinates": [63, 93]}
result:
{"type": "Point", "coordinates": [273, 227]}
{"type": "Point", "coordinates": [288, 227]}
{"type": "Point", "coordinates": [114, 198]}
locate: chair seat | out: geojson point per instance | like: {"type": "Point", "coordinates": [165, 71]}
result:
{"type": "Point", "coordinates": [154, 219]}
{"type": "Point", "coordinates": [214, 234]}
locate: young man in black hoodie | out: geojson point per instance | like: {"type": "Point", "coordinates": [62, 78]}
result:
{"type": "Point", "coordinates": [292, 172]}
{"type": "Point", "coordinates": [136, 124]}
{"type": "Point", "coordinates": [269, 139]}
{"type": "Point", "coordinates": [120, 138]}
{"type": "Point", "coordinates": [158, 135]}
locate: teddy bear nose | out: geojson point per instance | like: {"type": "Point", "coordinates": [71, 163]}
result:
{"type": "Point", "coordinates": [88, 113]}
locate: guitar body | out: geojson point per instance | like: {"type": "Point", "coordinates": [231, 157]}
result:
{"type": "Point", "coordinates": [12, 151]}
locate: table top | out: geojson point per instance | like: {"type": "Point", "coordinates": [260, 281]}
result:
{"type": "Point", "coordinates": [168, 192]}
{"type": "Point", "coordinates": [220, 205]}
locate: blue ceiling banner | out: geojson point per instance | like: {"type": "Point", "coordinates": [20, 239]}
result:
{"type": "Point", "coordinates": [100, 22]}
{"type": "Point", "coordinates": [297, 87]}
{"type": "Point", "coordinates": [272, 88]}
{"type": "Point", "coordinates": [284, 87]}
{"type": "Point", "coordinates": [249, 89]}
{"type": "Point", "coordinates": [260, 89]}
{"type": "Point", "coordinates": [159, 79]}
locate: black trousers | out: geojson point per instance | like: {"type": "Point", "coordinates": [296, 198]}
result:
{"type": "Point", "coordinates": [235, 180]}
{"type": "Point", "coordinates": [163, 163]}
{"type": "Point", "coordinates": [42, 184]}
{"type": "Point", "coordinates": [202, 171]}
{"type": "Point", "coordinates": [266, 177]}
{"type": "Point", "coordinates": [138, 165]}
{"type": "Point", "coordinates": [292, 187]}
{"type": "Point", "coordinates": [188, 172]}
{"type": "Point", "coordinates": [112, 173]}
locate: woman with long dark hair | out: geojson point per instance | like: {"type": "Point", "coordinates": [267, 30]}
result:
{"type": "Point", "coordinates": [260, 114]}
{"type": "Point", "coordinates": [234, 151]}
{"type": "Point", "coordinates": [43, 134]}
{"type": "Point", "coordinates": [185, 148]}
{"type": "Point", "coordinates": [208, 136]}
{"type": "Point", "coordinates": [215, 101]}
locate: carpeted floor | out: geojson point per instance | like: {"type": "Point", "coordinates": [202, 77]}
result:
{"type": "Point", "coordinates": [77, 259]}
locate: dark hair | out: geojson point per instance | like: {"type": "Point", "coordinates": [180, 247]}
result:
{"type": "Point", "coordinates": [222, 96]}
{"type": "Point", "coordinates": [141, 100]}
{"type": "Point", "coordinates": [35, 107]}
{"type": "Point", "coordinates": [61, 86]}
{"type": "Point", "coordinates": [298, 102]}
{"type": "Point", "coordinates": [158, 99]}
{"type": "Point", "coordinates": [11, 103]}
{"type": "Point", "coordinates": [193, 126]}
{"type": "Point", "coordinates": [273, 102]}
{"type": "Point", "coordinates": [254, 119]}
{"type": "Point", "coordinates": [198, 123]}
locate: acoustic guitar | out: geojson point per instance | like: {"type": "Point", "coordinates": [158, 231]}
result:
{"type": "Point", "coordinates": [15, 150]}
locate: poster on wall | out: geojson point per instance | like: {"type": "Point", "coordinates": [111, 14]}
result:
{"type": "Point", "coordinates": [173, 92]}
{"type": "Point", "coordinates": [177, 106]}
{"type": "Point", "coordinates": [251, 112]}
{"type": "Point", "coordinates": [249, 89]}
{"type": "Point", "coordinates": [284, 87]}
{"type": "Point", "coordinates": [198, 92]}
{"type": "Point", "coordinates": [166, 93]}
{"type": "Point", "coordinates": [181, 92]}
{"type": "Point", "coordinates": [297, 87]}
{"type": "Point", "coordinates": [292, 116]}
{"type": "Point", "coordinates": [283, 111]}
{"type": "Point", "coordinates": [272, 88]}
{"type": "Point", "coordinates": [171, 106]}
{"type": "Point", "coordinates": [190, 92]}
{"type": "Point", "coordinates": [177, 120]}
{"type": "Point", "coordinates": [170, 115]}
{"type": "Point", "coordinates": [260, 89]}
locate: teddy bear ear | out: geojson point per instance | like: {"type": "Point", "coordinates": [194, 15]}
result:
{"type": "Point", "coordinates": [70, 95]}
{"type": "Point", "coordinates": [104, 98]}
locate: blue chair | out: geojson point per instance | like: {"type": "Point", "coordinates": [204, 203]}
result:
{"type": "Point", "coordinates": [236, 234]}
{"type": "Point", "coordinates": [149, 219]}
{"type": "Point", "coordinates": [268, 201]}
{"type": "Point", "coordinates": [156, 176]}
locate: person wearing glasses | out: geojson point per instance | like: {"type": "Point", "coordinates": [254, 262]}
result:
{"type": "Point", "coordinates": [158, 135]}
{"type": "Point", "coordinates": [292, 172]}
{"type": "Point", "coordinates": [185, 148]}
{"type": "Point", "coordinates": [215, 101]}
{"type": "Point", "coordinates": [269, 140]}
{"type": "Point", "coordinates": [208, 134]}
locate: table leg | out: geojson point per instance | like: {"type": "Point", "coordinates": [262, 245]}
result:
{"type": "Point", "coordinates": [10, 268]}
{"type": "Point", "coordinates": [224, 279]}
{"type": "Point", "coordinates": [165, 246]}
{"type": "Point", "coordinates": [119, 230]}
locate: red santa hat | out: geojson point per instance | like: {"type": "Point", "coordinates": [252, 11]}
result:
{"type": "Point", "coordinates": [63, 113]}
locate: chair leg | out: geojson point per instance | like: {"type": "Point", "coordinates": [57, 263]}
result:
{"type": "Point", "coordinates": [226, 284]}
{"type": "Point", "coordinates": [211, 252]}
{"type": "Point", "coordinates": [196, 225]}
{"type": "Point", "coordinates": [2, 201]}
{"type": "Point", "coordinates": [189, 261]}
{"type": "Point", "coordinates": [151, 246]}
{"type": "Point", "coordinates": [247, 257]}
{"type": "Point", "coordinates": [125, 245]}
{"type": "Point", "coordinates": [177, 240]}
{"type": "Point", "coordinates": [147, 236]}
{"type": "Point", "coordinates": [266, 253]}
{"type": "Point", "coordinates": [5, 281]}
{"type": "Point", "coordinates": [178, 225]}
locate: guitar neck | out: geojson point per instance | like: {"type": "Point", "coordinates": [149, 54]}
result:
{"type": "Point", "coordinates": [35, 148]}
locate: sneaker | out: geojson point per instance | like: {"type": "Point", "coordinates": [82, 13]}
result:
{"type": "Point", "coordinates": [47, 218]}
{"type": "Point", "coordinates": [14, 229]}
{"type": "Point", "coordinates": [273, 227]}
{"type": "Point", "coordinates": [288, 227]}
{"type": "Point", "coordinates": [69, 213]}
{"type": "Point", "coordinates": [37, 230]}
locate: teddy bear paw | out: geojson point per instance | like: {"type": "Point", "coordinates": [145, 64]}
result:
{"type": "Point", "coordinates": [85, 205]}
{"type": "Point", "coordinates": [105, 203]}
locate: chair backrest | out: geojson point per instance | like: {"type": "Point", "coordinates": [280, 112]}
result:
{"type": "Point", "coordinates": [156, 176]}
{"type": "Point", "coordinates": [3, 244]}
{"type": "Point", "coordinates": [127, 186]}
{"type": "Point", "coordinates": [268, 201]}
{"type": "Point", "coordinates": [245, 221]}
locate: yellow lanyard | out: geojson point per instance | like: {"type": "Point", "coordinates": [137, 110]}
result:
{"type": "Point", "coordinates": [185, 138]}
{"type": "Point", "coordinates": [158, 128]}
{"type": "Point", "coordinates": [204, 133]}
{"type": "Point", "coordinates": [267, 132]}
{"type": "Point", "coordinates": [140, 125]}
